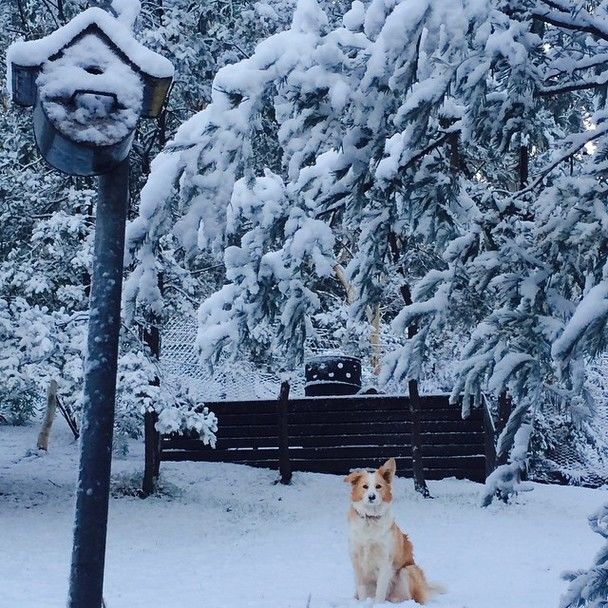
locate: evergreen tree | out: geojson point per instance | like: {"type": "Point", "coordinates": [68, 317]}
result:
{"type": "Point", "coordinates": [589, 588]}
{"type": "Point", "coordinates": [432, 155]}
{"type": "Point", "coordinates": [48, 220]}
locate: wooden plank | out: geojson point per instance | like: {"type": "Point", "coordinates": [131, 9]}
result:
{"type": "Point", "coordinates": [313, 450]}
{"type": "Point", "coordinates": [353, 457]}
{"type": "Point", "coordinates": [362, 404]}
{"type": "Point", "coordinates": [385, 451]}
{"type": "Point", "coordinates": [235, 456]}
{"type": "Point", "coordinates": [187, 443]}
{"type": "Point", "coordinates": [358, 428]}
{"type": "Point", "coordinates": [250, 430]}
{"type": "Point", "coordinates": [241, 407]}
{"type": "Point", "coordinates": [403, 470]}
{"type": "Point", "coordinates": [474, 472]}
{"type": "Point", "coordinates": [472, 438]}
{"type": "Point", "coordinates": [348, 428]}
{"type": "Point", "coordinates": [330, 417]}
{"type": "Point", "coordinates": [404, 463]}
{"type": "Point", "coordinates": [338, 403]}
{"type": "Point", "coordinates": [203, 456]}
{"type": "Point", "coordinates": [390, 439]}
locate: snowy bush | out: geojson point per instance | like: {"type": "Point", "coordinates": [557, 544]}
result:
{"type": "Point", "coordinates": [185, 418]}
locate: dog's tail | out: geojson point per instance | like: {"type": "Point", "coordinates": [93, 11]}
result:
{"type": "Point", "coordinates": [420, 589]}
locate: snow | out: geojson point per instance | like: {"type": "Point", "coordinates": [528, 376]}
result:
{"type": "Point", "coordinates": [355, 17]}
{"type": "Point", "coordinates": [505, 368]}
{"type": "Point", "coordinates": [127, 11]}
{"type": "Point", "coordinates": [65, 85]}
{"type": "Point", "coordinates": [176, 420]}
{"type": "Point", "coordinates": [36, 52]}
{"type": "Point", "coordinates": [224, 536]}
{"type": "Point", "coordinates": [591, 309]}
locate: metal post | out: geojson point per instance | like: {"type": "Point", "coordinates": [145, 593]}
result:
{"type": "Point", "coordinates": [92, 494]}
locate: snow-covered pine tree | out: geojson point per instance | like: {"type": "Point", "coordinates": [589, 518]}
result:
{"type": "Point", "coordinates": [394, 146]}
{"type": "Point", "coordinates": [48, 289]}
{"type": "Point", "coordinates": [219, 208]}
{"type": "Point", "coordinates": [368, 130]}
{"type": "Point", "coordinates": [515, 272]}
{"type": "Point", "coordinates": [589, 588]}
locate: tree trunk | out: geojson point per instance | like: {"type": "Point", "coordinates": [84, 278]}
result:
{"type": "Point", "coordinates": [49, 416]}
{"type": "Point", "coordinates": [351, 292]}
{"type": "Point", "coordinates": [524, 164]}
{"type": "Point", "coordinates": [417, 464]}
{"type": "Point", "coordinates": [151, 338]}
{"type": "Point", "coordinates": [505, 406]}
{"type": "Point", "coordinates": [374, 318]}
{"type": "Point", "coordinates": [412, 330]}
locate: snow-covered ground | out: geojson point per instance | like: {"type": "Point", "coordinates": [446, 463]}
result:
{"type": "Point", "coordinates": [223, 536]}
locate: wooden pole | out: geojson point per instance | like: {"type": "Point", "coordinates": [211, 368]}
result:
{"type": "Point", "coordinates": [283, 432]}
{"type": "Point", "coordinates": [152, 453]}
{"type": "Point", "coordinates": [49, 416]}
{"type": "Point", "coordinates": [489, 438]}
{"type": "Point", "coordinates": [417, 464]}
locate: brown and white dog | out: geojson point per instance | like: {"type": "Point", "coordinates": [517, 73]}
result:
{"type": "Point", "coordinates": [381, 553]}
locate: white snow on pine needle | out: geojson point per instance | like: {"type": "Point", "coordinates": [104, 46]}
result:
{"type": "Point", "coordinates": [591, 309]}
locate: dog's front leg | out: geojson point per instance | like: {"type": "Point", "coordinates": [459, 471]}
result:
{"type": "Point", "coordinates": [361, 592]}
{"type": "Point", "coordinates": [384, 578]}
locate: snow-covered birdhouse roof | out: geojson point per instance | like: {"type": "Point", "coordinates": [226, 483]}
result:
{"type": "Point", "coordinates": [26, 59]}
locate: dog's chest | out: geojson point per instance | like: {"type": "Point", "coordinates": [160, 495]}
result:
{"type": "Point", "coordinates": [371, 544]}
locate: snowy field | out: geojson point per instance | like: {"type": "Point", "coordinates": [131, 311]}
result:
{"type": "Point", "coordinates": [223, 536]}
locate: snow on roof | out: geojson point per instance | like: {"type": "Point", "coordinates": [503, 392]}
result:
{"type": "Point", "coordinates": [35, 52]}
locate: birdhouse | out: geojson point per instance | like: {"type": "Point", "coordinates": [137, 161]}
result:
{"type": "Point", "coordinates": [90, 81]}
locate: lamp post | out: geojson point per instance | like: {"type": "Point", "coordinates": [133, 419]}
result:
{"type": "Point", "coordinates": [89, 82]}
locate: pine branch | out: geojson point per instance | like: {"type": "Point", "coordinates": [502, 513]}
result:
{"type": "Point", "coordinates": [574, 149]}
{"type": "Point", "coordinates": [570, 87]}
{"type": "Point", "coordinates": [420, 155]}
{"type": "Point", "coordinates": [582, 64]}
{"type": "Point", "coordinates": [561, 14]}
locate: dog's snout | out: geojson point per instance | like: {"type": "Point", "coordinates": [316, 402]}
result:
{"type": "Point", "coordinates": [371, 497]}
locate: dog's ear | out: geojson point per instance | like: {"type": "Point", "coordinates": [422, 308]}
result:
{"type": "Point", "coordinates": [387, 470]}
{"type": "Point", "coordinates": [354, 477]}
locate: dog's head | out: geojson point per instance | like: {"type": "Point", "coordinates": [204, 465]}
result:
{"type": "Point", "coordinates": [371, 493]}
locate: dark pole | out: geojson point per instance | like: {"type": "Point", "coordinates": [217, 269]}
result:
{"type": "Point", "coordinates": [283, 409]}
{"type": "Point", "coordinates": [92, 494]}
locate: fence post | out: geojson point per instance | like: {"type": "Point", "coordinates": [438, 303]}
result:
{"type": "Point", "coordinates": [283, 433]}
{"type": "Point", "coordinates": [489, 437]}
{"type": "Point", "coordinates": [152, 453]}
